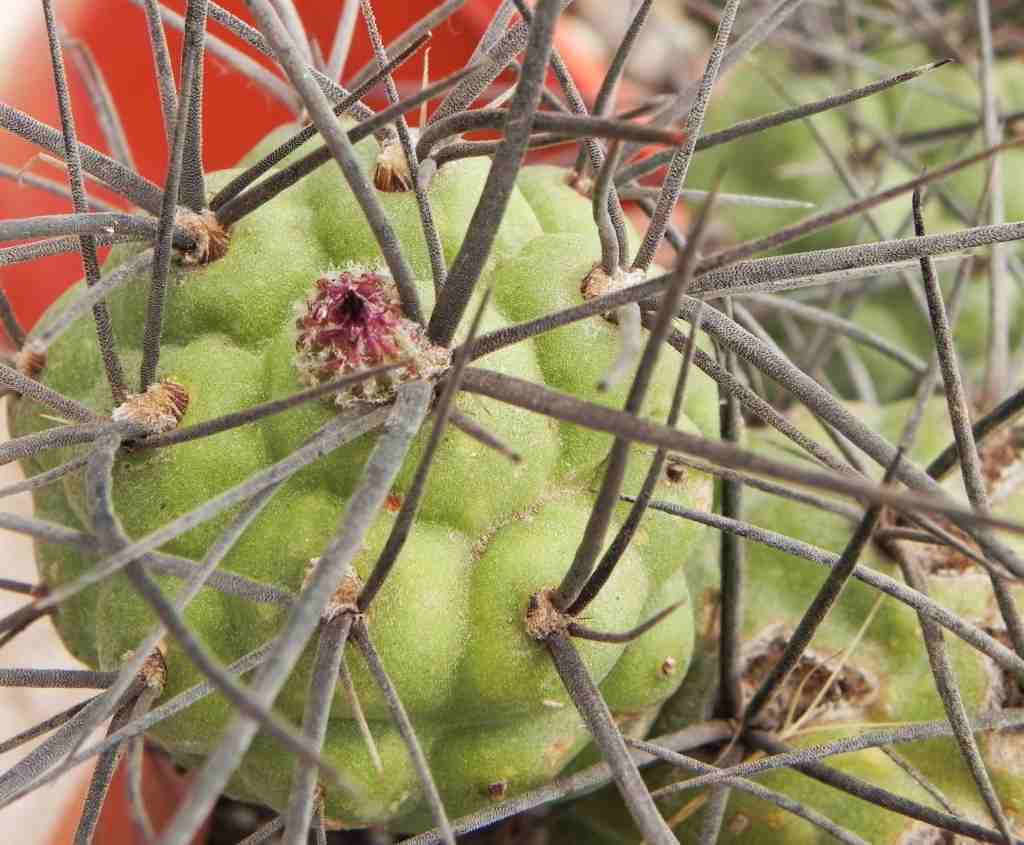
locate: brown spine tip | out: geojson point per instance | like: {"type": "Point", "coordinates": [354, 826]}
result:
{"type": "Point", "coordinates": [599, 283]}
{"type": "Point", "coordinates": [668, 666]}
{"type": "Point", "coordinates": [596, 283]}
{"type": "Point", "coordinates": [176, 395]}
{"type": "Point", "coordinates": [543, 615]}
{"type": "Point", "coordinates": [158, 410]}
{"type": "Point", "coordinates": [345, 597]}
{"type": "Point", "coordinates": [498, 790]}
{"type": "Point", "coordinates": [392, 173]}
{"type": "Point", "coordinates": [211, 238]}
{"type": "Point", "coordinates": [154, 670]}
{"type": "Point", "coordinates": [31, 360]}
{"type": "Point", "coordinates": [674, 471]}
{"type": "Point", "coordinates": [583, 184]}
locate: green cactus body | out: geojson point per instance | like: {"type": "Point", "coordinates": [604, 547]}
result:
{"type": "Point", "coordinates": [884, 682]}
{"type": "Point", "coordinates": [490, 710]}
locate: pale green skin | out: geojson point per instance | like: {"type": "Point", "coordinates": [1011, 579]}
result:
{"type": "Point", "coordinates": [892, 314]}
{"type": "Point", "coordinates": [779, 589]}
{"type": "Point", "coordinates": [913, 110]}
{"type": "Point", "coordinates": [785, 161]}
{"type": "Point", "coordinates": [484, 697]}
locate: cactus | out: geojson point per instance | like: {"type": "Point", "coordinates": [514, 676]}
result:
{"type": "Point", "coordinates": [393, 388]}
{"type": "Point", "coordinates": [864, 672]}
{"type": "Point", "coordinates": [307, 326]}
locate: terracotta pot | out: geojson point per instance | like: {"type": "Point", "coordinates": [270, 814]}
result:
{"type": "Point", "coordinates": [162, 790]}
